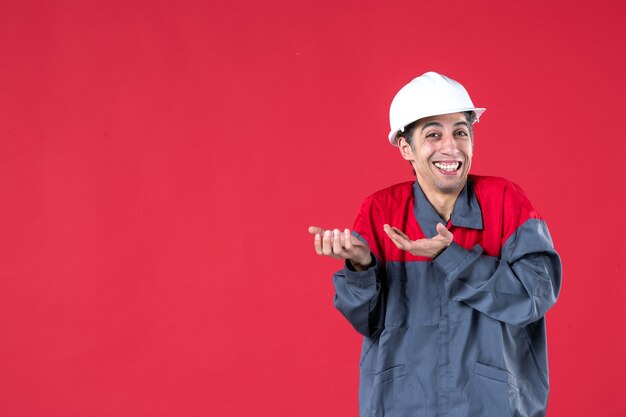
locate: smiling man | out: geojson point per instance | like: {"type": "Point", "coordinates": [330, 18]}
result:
{"type": "Point", "coordinates": [448, 278]}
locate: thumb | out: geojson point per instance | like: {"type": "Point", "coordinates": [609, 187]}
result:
{"type": "Point", "coordinates": [445, 233]}
{"type": "Point", "coordinates": [314, 230]}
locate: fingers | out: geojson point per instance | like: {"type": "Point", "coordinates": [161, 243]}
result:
{"type": "Point", "coordinates": [337, 244]}
{"type": "Point", "coordinates": [317, 242]}
{"type": "Point", "coordinates": [347, 240]}
{"type": "Point", "coordinates": [397, 237]}
{"type": "Point", "coordinates": [395, 234]}
{"type": "Point", "coordinates": [420, 247]}
{"type": "Point", "coordinates": [330, 243]}
{"type": "Point", "coordinates": [337, 247]}
{"type": "Point", "coordinates": [327, 247]}
{"type": "Point", "coordinates": [400, 232]}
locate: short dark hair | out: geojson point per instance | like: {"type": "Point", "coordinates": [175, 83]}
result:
{"type": "Point", "coordinates": [408, 129]}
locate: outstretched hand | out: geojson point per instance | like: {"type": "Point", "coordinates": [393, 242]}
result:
{"type": "Point", "coordinates": [341, 245]}
{"type": "Point", "coordinates": [429, 248]}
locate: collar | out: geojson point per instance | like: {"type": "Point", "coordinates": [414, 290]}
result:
{"type": "Point", "coordinates": [466, 211]}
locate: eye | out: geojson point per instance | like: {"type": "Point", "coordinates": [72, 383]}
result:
{"type": "Point", "coordinates": [461, 133]}
{"type": "Point", "coordinates": [433, 135]}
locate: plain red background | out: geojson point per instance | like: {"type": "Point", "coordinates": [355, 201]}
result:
{"type": "Point", "coordinates": [160, 162]}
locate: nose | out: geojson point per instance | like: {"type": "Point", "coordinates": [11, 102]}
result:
{"type": "Point", "coordinates": [448, 144]}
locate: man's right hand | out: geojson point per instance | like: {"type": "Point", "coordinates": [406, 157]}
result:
{"type": "Point", "coordinates": [342, 245]}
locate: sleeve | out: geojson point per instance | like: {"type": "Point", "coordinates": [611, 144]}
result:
{"type": "Point", "coordinates": [358, 295]}
{"type": "Point", "coordinates": [518, 287]}
{"type": "Point", "coordinates": [368, 227]}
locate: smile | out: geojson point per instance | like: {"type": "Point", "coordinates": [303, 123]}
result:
{"type": "Point", "coordinates": [448, 166]}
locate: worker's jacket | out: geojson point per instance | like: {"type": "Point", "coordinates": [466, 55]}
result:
{"type": "Point", "coordinates": [463, 334]}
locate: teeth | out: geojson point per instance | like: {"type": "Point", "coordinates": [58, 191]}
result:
{"type": "Point", "coordinates": [447, 167]}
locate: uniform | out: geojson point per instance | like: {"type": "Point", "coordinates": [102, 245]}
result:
{"type": "Point", "coordinates": [463, 334]}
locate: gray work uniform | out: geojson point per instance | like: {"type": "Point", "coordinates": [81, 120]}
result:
{"type": "Point", "coordinates": [462, 335]}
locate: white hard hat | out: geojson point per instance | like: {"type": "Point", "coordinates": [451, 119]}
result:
{"type": "Point", "coordinates": [428, 95]}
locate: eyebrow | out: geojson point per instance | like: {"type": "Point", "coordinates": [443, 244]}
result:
{"type": "Point", "coordinates": [429, 124]}
{"type": "Point", "coordinates": [437, 124]}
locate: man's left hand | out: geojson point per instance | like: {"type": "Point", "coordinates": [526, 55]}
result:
{"type": "Point", "coordinates": [429, 248]}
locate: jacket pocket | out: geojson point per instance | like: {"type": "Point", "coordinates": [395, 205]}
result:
{"type": "Point", "coordinates": [492, 372]}
{"type": "Point", "coordinates": [491, 390]}
{"type": "Point", "coordinates": [396, 394]}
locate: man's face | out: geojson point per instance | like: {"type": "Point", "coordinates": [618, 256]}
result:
{"type": "Point", "coordinates": [441, 153]}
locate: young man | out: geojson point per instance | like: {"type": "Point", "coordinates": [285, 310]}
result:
{"type": "Point", "coordinates": [448, 278]}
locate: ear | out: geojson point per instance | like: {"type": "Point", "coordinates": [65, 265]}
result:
{"type": "Point", "coordinates": [405, 149]}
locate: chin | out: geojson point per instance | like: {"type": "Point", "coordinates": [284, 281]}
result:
{"type": "Point", "coordinates": [451, 188]}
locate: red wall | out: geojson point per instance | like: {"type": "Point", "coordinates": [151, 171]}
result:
{"type": "Point", "coordinates": [160, 162]}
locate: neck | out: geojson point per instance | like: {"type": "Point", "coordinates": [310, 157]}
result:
{"type": "Point", "coordinates": [443, 203]}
